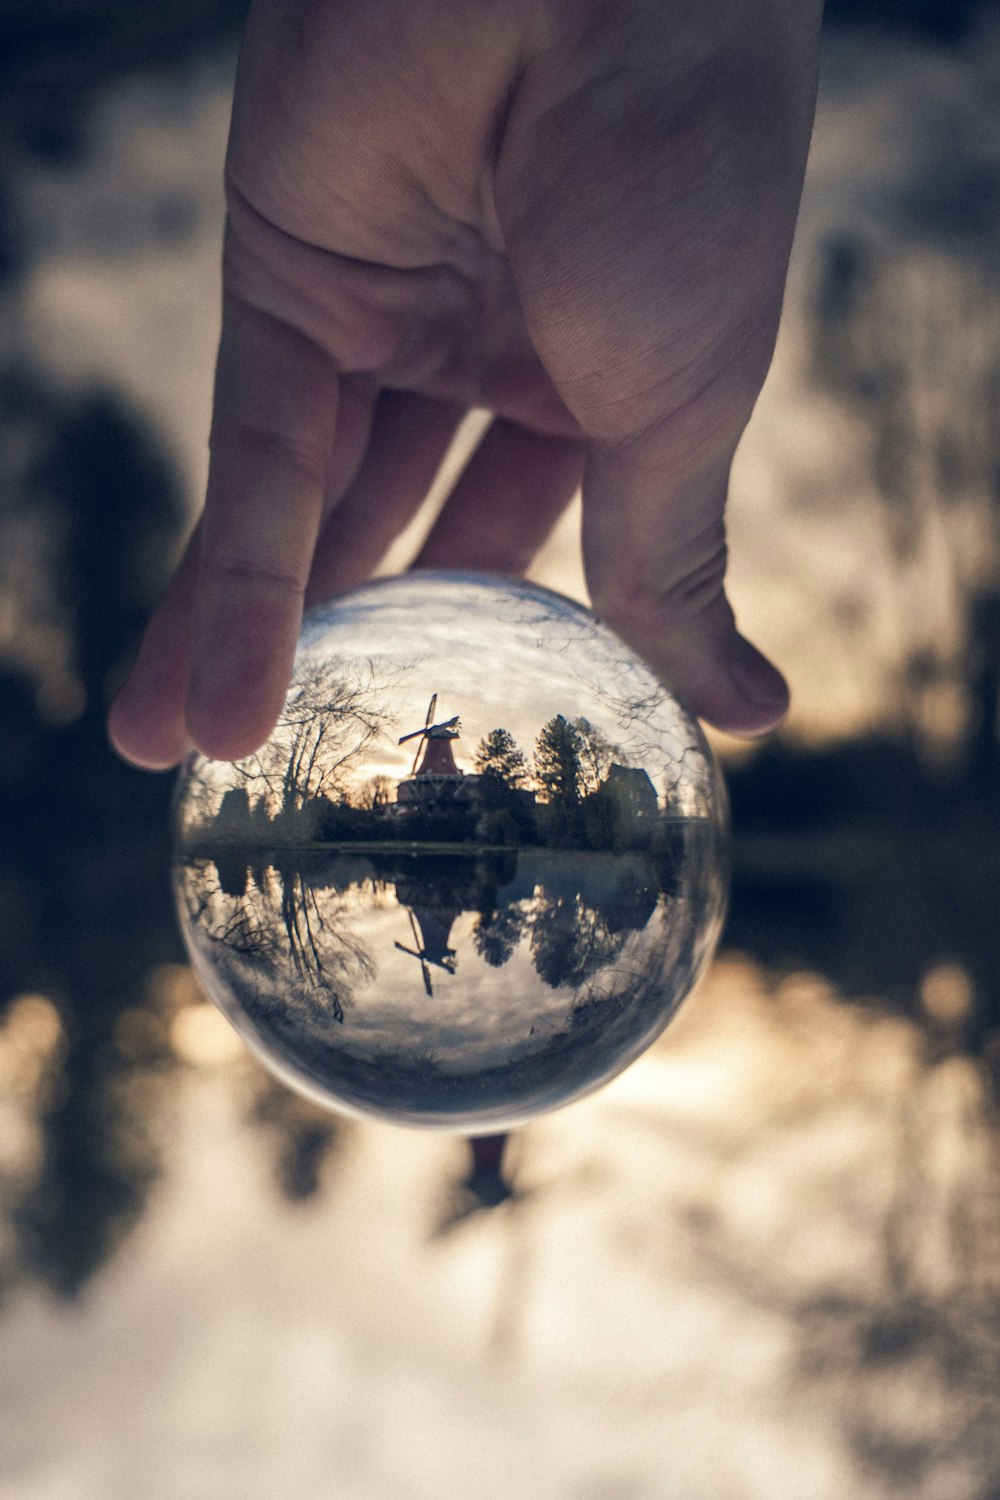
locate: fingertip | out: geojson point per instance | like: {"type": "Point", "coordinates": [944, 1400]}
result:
{"type": "Point", "coordinates": [146, 719]}
{"type": "Point", "coordinates": [233, 702]}
{"type": "Point", "coordinates": [716, 672]}
{"type": "Point", "coordinates": [735, 688]}
{"type": "Point", "coordinates": [226, 741]}
{"type": "Point", "coordinates": [229, 728]}
{"type": "Point", "coordinates": [146, 740]}
{"type": "Point", "coordinates": [763, 691]}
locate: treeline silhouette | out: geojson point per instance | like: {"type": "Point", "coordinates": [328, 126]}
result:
{"type": "Point", "coordinates": [881, 782]}
{"type": "Point", "coordinates": [943, 21]}
{"type": "Point", "coordinates": [862, 862]}
{"type": "Point", "coordinates": [575, 793]}
{"type": "Point", "coordinates": [86, 916]}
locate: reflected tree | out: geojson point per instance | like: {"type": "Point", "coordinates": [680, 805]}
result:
{"type": "Point", "coordinates": [498, 933]}
{"type": "Point", "coordinates": [282, 937]}
{"type": "Point", "coordinates": [574, 763]}
{"type": "Point", "coordinates": [571, 940]}
{"type": "Point", "coordinates": [596, 755]}
{"type": "Point", "coordinates": [509, 814]}
{"type": "Point", "coordinates": [486, 1186]}
{"type": "Point", "coordinates": [303, 1137]}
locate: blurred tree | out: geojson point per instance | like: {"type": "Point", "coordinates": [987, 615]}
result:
{"type": "Point", "coordinates": [56, 54]}
{"type": "Point", "coordinates": [375, 795]}
{"type": "Point", "coordinates": [86, 837]}
{"type": "Point", "coordinates": [306, 1137]}
{"type": "Point", "coordinates": [908, 341]}
{"type": "Point", "coordinates": [940, 20]}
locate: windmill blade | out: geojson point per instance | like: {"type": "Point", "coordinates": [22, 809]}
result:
{"type": "Point", "coordinates": [420, 746]}
{"type": "Point", "coordinates": [417, 938]}
{"type": "Point", "coordinates": [424, 970]}
{"type": "Point", "coordinates": [426, 724]}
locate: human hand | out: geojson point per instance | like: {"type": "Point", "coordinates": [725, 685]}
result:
{"type": "Point", "coordinates": [574, 213]}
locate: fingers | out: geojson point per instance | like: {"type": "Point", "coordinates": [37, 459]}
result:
{"type": "Point", "coordinates": [356, 405]}
{"type": "Point", "coordinates": [655, 556]}
{"type": "Point", "coordinates": [217, 657]}
{"type": "Point", "coordinates": [409, 437]}
{"type": "Point", "coordinates": [274, 418]}
{"type": "Point", "coordinates": [509, 497]}
{"type": "Point", "coordinates": [146, 722]}
{"type": "Point", "coordinates": [649, 228]}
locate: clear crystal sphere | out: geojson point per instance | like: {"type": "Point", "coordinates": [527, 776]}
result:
{"type": "Point", "coordinates": [475, 869]}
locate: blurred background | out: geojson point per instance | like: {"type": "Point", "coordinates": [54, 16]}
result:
{"type": "Point", "coordinates": [766, 1261]}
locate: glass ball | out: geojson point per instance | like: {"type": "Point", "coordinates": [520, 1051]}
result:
{"type": "Point", "coordinates": [475, 869]}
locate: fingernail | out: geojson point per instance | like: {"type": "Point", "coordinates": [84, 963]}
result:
{"type": "Point", "coordinates": [754, 675]}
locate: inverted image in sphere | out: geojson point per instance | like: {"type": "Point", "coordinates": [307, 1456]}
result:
{"type": "Point", "coordinates": [475, 869]}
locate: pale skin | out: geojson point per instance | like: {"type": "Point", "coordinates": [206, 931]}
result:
{"type": "Point", "coordinates": [575, 214]}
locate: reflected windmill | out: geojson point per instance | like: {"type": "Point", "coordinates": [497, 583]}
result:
{"type": "Point", "coordinates": [431, 948]}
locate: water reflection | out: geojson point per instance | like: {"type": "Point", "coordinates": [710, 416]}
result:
{"type": "Point", "coordinates": [463, 989]}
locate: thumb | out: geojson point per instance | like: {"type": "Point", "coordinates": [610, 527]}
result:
{"type": "Point", "coordinates": [655, 554]}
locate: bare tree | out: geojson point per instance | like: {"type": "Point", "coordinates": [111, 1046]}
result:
{"type": "Point", "coordinates": [325, 727]}
{"type": "Point", "coordinates": [596, 755]}
{"type": "Point", "coordinates": [281, 936]}
{"type": "Point", "coordinates": [375, 795]}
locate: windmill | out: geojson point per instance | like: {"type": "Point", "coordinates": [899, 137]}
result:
{"type": "Point", "coordinates": [436, 952]}
{"type": "Point", "coordinates": [434, 740]}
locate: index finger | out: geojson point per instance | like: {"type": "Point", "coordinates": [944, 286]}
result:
{"type": "Point", "coordinates": [273, 426]}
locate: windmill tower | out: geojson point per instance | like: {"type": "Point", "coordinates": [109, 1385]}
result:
{"type": "Point", "coordinates": [435, 781]}
{"type": "Point", "coordinates": [431, 930]}
{"type": "Point", "coordinates": [435, 742]}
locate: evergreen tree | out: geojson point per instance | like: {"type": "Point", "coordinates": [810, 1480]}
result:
{"type": "Point", "coordinates": [499, 758]}
{"type": "Point", "coordinates": [559, 774]}
{"type": "Point", "coordinates": [504, 794]}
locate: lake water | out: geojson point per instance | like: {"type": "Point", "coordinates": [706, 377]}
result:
{"type": "Point", "coordinates": [465, 990]}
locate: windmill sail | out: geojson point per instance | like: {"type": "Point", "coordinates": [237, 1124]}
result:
{"type": "Point", "coordinates": [430, 735]}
